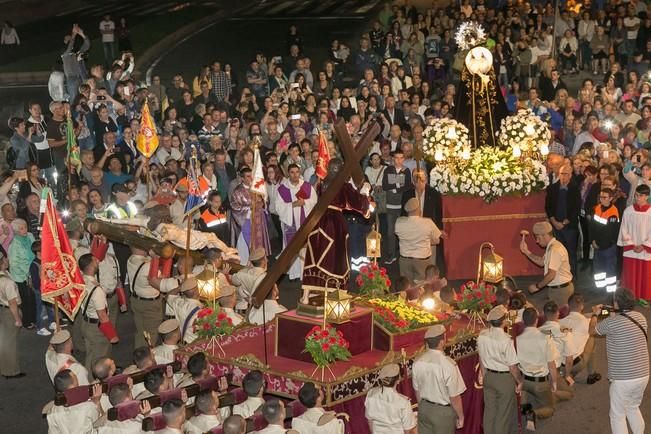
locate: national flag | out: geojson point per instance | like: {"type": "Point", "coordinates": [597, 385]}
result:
{"type": "Point", "coordinates": [147, 139]}
{"type": "Point", "coordinates": [73, 148]}
{"type": "Point", "coordinates": [196, 195]}
{"type": "Point", "coordinates": [61, 280]}
{"type": "Point", "coordinates": [324, 157]}
{"type": "Point", "coordinates": [258, 185]}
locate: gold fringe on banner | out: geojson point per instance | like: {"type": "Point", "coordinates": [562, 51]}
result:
{"type": "Point", "coordinates": [494, 217]}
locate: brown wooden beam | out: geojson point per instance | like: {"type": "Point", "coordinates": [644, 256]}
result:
{"type": "Point", "coordinates": [349, 152]}
{"type": "Point", "coordinates": [300, 238]}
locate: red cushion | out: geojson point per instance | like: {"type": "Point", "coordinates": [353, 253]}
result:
{"type": "Point", "coordinates": [217, 430]}
{"type": "Point", "coordinates": [210, 383]}
{"type": "Point", "coordinates": [239, 395]}
{"type": "Point", "coordinates": [563, 311]}
{"type": "Point", "coordinates": [517, 329]}
{"type": "Point", "coordinates": [127, 410]}
{"type": "Point", "coordinates": [169, 395]}
{"type": "Point", "coordinates": [297, 408]}
{"type": "Point", "coordinates": [259, 423]}
{"type": "Point", "coordinates": [157, 422]}
{"type": "Point", "coordinates": [116, 379]}
{"type": "Point", "coordinates": [77, 395]}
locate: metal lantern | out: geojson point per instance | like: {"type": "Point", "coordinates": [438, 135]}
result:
{"type": "Point", "coordinates": [490, 268]}
{"type": "Point", "coordinates": [337, 307]}
{"type": "Point", "coordinates": [208, 284]}
{"type": "Point", "coordinates": [373, 244]}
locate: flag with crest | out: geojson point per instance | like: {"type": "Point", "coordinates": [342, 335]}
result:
{"type": "Point", "coordinates": [258, 185]}
{"type": "Point", "coordinates": [61, 280]}
{"type": "Point", "coordinates": [147, 139]}
{"type": "Point", "coordinates": [324, 157]}
{"type": "Point", "coordinates": [74, 158]}
{"type": "Point", "coordinates": [196, 191]}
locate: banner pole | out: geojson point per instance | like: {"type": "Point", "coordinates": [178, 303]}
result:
{"type": "Point", "coordinates": [57, 317]}
{"type": "Point", "coordinates": [187, 243]}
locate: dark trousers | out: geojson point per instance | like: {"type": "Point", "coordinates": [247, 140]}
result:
{"type": "Point", "coordinates": [569, 237]}
{"type": "Point", "coordinates": [28, 303]}
{"type": "Point", "coordinates": [605, 261]}
{"type": "Point", "coordinates": [585, 244]}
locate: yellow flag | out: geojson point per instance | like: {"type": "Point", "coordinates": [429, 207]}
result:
{"type": "Point", "coordinates": [147, 140]}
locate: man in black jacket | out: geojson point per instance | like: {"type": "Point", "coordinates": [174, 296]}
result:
{"type": "Point", "coordinates": [431, 207]}
{"type": "Point", "coordinates": [549, 86]}
{"type": "Point", "coordinates": [562, 206]}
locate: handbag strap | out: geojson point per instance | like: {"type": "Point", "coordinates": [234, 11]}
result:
{"type": "Point", "coordinates": [379, 174]}
{"type": "Point", "coordinates": [634, 321]}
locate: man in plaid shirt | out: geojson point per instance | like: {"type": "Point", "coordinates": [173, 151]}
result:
{"type": "Point", "coordinates": [221, 83]}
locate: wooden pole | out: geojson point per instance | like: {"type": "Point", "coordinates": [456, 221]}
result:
{"type": "Point", "coordinates": [187, 243]}
{"type": "Point", "coordinates": [298, 241]}
{"type": "Point", "coordinates": [57, 317]}
{"type": "Point", "coordinates": [254, 199]}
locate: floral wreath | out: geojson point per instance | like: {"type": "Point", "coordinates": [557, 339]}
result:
{"type": "Point", "coordinates": [524, 130]}
{"type": "Point", "coordinates": [470, 35]}
{"type": "Point", "coordinates": [446, 135]}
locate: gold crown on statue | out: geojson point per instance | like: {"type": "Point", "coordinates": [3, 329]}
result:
{"type": "Point", "coordinates": [470, 35]}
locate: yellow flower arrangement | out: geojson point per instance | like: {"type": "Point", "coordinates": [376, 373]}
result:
{"type": "Point", "coordinates": [396, 315]}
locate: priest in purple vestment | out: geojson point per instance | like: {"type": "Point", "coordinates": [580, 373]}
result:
{"type": "Point", "coordinates": [326, 261]}
{"type": "Point", "coordinates": [245, 235]}
{"type": "Point", "coordinates": [295, 199]}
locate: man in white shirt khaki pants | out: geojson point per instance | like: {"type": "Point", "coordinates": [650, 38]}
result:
{"type": "Point", "coordinates": [555, 262]}
{"type": "Point", "coordinates": [438, 384]}
{"type": "Point", "coordinates": [416, 235]}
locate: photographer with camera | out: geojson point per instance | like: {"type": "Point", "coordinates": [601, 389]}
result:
{"type": "Point", "coordinates": [626, 333]}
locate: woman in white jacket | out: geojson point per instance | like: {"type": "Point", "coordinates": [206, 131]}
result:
{"type": "Point", "coordinates": [567, 49]}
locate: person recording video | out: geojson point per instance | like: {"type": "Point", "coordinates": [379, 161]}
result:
{"type": "Point", "coordinates": [626, 333]}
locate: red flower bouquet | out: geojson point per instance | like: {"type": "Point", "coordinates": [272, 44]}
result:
{"type": "Point", "coordinates": [373, 281]}
{"type": "Point", "coordinates": [474, 297]}
{"type": "Point", "coordinates": [326, 345]}
{"type": "Point", "coordinates": [211, 323]}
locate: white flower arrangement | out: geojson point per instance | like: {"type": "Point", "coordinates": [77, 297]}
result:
{"type": "Point", "coordinates": [470, 35]}
{"type": "Point", "coordinates": [447, 137]}
{"type": "Point", "coordinates": [490, 173]}
{"type": "Point", "coordinates": [524, 131]}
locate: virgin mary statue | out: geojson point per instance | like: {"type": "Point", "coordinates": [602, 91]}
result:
{"type": "Point", "coordinates": [480, 105]}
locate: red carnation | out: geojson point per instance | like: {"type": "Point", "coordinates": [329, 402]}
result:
{"type": "Point", "coordinates": [221, 316]}
{"type": "Point", "coordinates": [339, 333]}
{"type": "Point", "coordinates": [333, 340]}
{"type": "Point", "coordinates": [230, 321]}
{"type": "Point", "coordinates": [383, 272]}
{"type": "Point", "coordinates": [325, 333]}
{"type": "Point", "coordinates": [364, 269]}
{"type": "Point", "coordinates": [359, 281]}
{"type": "Point", "coordinates": [388, 282]}
{"type": "Point", "coordinates": [325, 346]}
{"type": "Point", "coordinates": [204, 312]}
{"type": "Point", "coordinates": [206, 326]}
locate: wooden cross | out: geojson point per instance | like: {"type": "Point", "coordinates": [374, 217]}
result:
{"type": "Point", "coordinates": [352, 155]}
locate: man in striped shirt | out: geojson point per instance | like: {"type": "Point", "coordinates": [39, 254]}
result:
{"type": "Point", "coordinates": [628, 360]}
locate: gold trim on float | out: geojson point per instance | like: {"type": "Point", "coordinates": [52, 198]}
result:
{"type": "Point", "coordinates": [494, 217]}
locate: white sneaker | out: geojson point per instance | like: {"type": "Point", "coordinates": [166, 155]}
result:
{"type": "Point", "coordinates": [43, 332]}
{"type": "Point", "coordinates": [52, 326]}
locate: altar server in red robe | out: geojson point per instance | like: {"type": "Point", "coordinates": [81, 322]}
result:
{"type": "Point", "coordinates": [635, 238]}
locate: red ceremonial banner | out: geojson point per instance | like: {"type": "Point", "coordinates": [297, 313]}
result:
{"type": "Point", "coordinates": [61, 281]}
